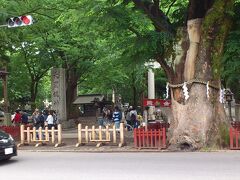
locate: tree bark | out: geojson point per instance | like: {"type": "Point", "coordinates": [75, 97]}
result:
{"type": "Point", "coordinates": [134, 89]}
{"type": "Point", "coordinates": [71, 93]}
{"type": "Point", "coordinates": [199, 120]}
{"type": "Point", "coordinates": [33, 90]}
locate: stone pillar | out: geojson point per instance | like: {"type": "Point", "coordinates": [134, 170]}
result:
{"type": "Point", "coordinates": [59, 93]}
{"type": "Point", "coordinates": [151, 84]}
{"type": "Point", "coordinates": [151, 92]}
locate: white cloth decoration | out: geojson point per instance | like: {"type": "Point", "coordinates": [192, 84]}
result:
{"type": "Point", "coordinates": [221, 95]}
{"type": "Point", "coordinates": [167, 90]}
{"type": "Point", "coordinates": [185, 91]}
{"type": "Point", "coordinates": [207, 89]}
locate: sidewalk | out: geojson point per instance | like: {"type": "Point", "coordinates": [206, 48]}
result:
{"type": "Point", "coordinates": [70, 140]}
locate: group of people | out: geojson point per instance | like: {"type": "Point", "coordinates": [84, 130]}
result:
{"type": "Point", "coordinates": [133, 118]}
{"type": "Point", "coordinates": [20, 117]}
{"type": "Point", "coordinates": [39, 118]}
{"type": "Point", "coordinates": [106, 116]}
{"type": "Point", "coordinates": [45, 118]}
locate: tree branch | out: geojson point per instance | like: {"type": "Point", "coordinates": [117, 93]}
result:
{"type": "Point", "coordinates": [156, 2]}
{"type": "Point", "coordinates": [134, 31]}
{"type": "Point", "coordinates": [170, 6]}
{"type": "Point", "coordinates": [168, 70]}
{"type": "Point", "coordinates": [37, 9]}
{"type": "Point", "coordinates": [158, 18]}
{"type": "Point", "coordinates": [48, 46]}
{"type": "Point", "coordinates": [40, 76]}
{"type": "Point", "coordinates": [28, 64]}
{"type": "Point", "coordinates": [198, 8]}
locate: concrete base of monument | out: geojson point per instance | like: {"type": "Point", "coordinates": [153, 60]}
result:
{"type": "Point", "coordinates": [68, 124]}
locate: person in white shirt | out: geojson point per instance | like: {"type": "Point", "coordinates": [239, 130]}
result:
{"type": "Point", "coordinates": [133, 111]}
{"type": "Point", "coordinates": [50, 120]}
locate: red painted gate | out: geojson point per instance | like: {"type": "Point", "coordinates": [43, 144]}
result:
{"type": "Point", "coordinates": [234, 133]}
{"type": "Point", "coordinates": [151, 139]}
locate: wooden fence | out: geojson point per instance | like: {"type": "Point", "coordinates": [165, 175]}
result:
{"type": "Point", "coordinates": [100, 136]}
{"type": "Point", "coordinates": [40, 136]}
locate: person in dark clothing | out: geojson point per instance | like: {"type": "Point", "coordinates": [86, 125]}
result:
{"type": "Point", "coordinates": [40, 120]}
{"type": "Point", "coordinates": [24, 117]}
{"type": "Point", "coordinates": [133, 117]}
{"type": "Point", "coordinates": [45, 114]}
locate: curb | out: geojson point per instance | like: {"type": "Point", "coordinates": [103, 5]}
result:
{"type": "Point", "coordinates": [96, 151]}
{"type": "Point", "coordinates": [52, 149]}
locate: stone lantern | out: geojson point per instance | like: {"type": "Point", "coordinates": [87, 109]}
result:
{"type": "Point", "coordinates": [229, 98]}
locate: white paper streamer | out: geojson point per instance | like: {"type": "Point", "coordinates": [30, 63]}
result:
{"type": "Point", "coordinates": [221, 95]}
{"type": "Point", "coordinates": [167, 90]}
{"type": "Point", "coordinates": [185, 91]}
{"type": "Point", "coordinates": [207, 89]}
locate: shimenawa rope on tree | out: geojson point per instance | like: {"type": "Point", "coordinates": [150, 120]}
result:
{"type": "Point", "coordinates": [185, 89]}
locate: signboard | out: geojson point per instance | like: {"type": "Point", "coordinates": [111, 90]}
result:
{"type": "Point", "coordinates": [157, 102]}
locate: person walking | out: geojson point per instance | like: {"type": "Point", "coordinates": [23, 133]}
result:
{"type": "Point", "coordinates": [117, 117]}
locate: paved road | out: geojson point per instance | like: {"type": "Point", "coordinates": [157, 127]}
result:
{"type": "Point", "coordinates": [122, 166]}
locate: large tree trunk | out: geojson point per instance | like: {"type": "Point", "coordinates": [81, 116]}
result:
{"type": "Point", "coordinates": [71, 93]}
{"type": "Point", "coordinates": [134, 89]}
{"type": "Point", "coordinates": [200, 120]}
{"type": "Point", "coordinates": [34, 91]}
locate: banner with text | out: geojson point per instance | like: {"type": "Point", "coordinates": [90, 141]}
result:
{"type": "Point", "coordinates": [157, 102]}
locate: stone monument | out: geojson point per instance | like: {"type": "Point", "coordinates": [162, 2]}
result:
{"type": "Point", "coordinates": [59, 94]}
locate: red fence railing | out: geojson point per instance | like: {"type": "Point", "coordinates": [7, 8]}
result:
{"type": "Point", "coordinates": [158, 125]}
{"type": "Point", "coordinates": [234, 133]}
{"type": "Point", "coordinates": [151, 139]}
{"type": "Point", "coordinates": [13, 130]}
